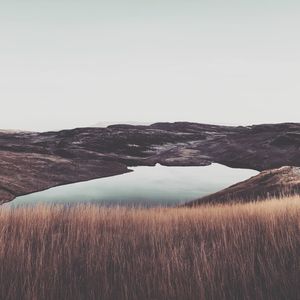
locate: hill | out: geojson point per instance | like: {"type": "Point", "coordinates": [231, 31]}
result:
{"type": "Point", "coordinates": [32, 161]}
{"type": "Point", "coordinates": [280, 182]}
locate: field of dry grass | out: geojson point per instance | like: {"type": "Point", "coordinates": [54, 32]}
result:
{"type": "Point", "coordinates": [242, 251]}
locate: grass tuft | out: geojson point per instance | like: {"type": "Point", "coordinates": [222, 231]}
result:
{"type": "Point", "coordinates": [241, 251]}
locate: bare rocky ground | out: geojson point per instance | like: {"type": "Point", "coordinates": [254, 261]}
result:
{"type": "Point", "coordinates": [31, 161]}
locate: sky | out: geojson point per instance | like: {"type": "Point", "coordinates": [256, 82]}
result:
{"type": "Point", "coordinates": [74, 63]}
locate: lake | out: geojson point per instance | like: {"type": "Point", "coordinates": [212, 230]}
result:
{"type": "Point", "coordinates": [145, 186]}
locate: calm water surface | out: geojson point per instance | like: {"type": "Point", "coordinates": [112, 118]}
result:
{"type": "Point", "coordinates": [145, 186]}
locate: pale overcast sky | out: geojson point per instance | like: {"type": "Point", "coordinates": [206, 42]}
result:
{"type": "Point", "coordinates": [70, 63]}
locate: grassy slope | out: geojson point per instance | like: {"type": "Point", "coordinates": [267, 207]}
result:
{"type": "Point", "coordinates": [242, 251]}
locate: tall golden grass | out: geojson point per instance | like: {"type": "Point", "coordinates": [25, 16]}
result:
{"type": "Point", "coordinates": [242, 251]}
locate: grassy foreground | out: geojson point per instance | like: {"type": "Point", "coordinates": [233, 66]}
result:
{"type": "Point", "coordinates": [243, 251]}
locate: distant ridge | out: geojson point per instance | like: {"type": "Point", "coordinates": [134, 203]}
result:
{"type": "Point", "coordinates": [108, 123]}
